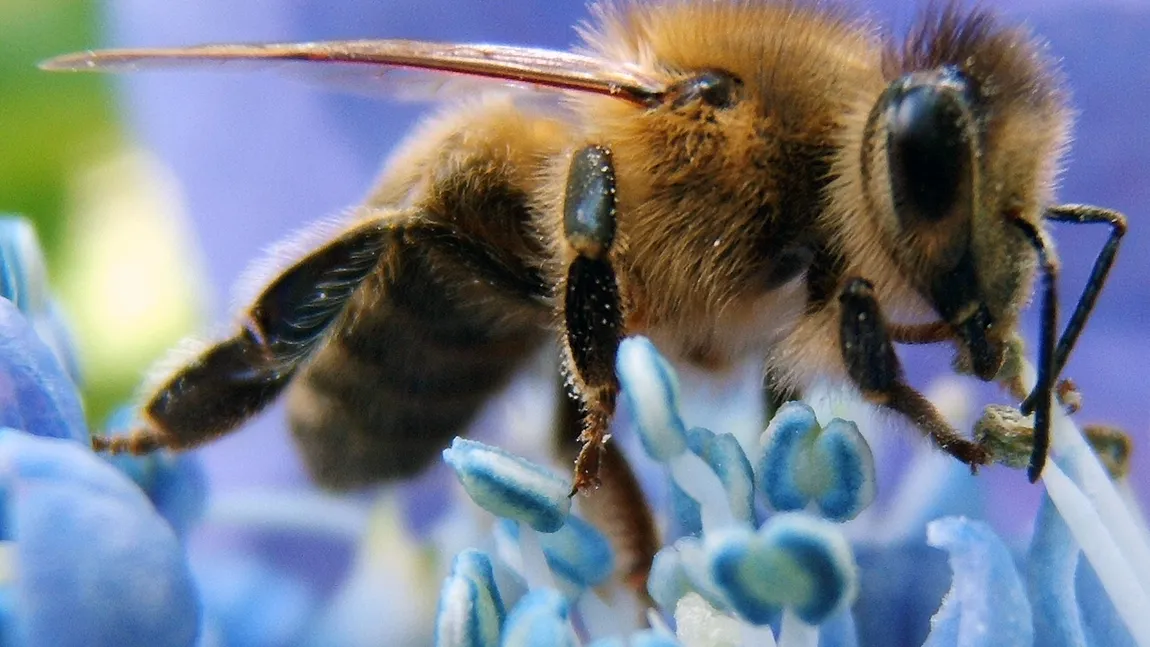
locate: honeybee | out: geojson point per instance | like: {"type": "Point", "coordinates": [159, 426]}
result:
{"type": "Point", "coordinates": [730, 178]}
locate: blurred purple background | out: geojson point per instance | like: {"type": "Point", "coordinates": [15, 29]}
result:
{"type": "Point", "coordinates": [260, 155]}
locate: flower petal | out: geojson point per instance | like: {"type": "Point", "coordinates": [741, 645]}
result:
{"type": "Point", "coordinates": [509, 486]}
{"type": "Point", "coordinates": [96, 565]}
{"type": "Point", "coordinates": [175, 482]}
{"type": "Point", "coordinates": [36, 394]}
{"type": "Point", "coordinates": [470, 611]}
{"type": "Point", "coordinates": [1050, 566]}
{"type": "Point", "coordinates": [842, 452]}
{"type": "Point", "coordinates": [23, 273]}
{"type": "Point", "coordinates": [784, 450]}
{"type": "Point", "coordinates": [1101, 622]}
{"type": "Point", "coordinates": [651, 390]}
{"type": "Point", "coordinates": [795, 560]}
{"type": "Point", "coordinates": [540, 619]}
{"type": "Point", "coordinates": [987, 604]}
{"type": "Point", "coordinates": [725, 457]}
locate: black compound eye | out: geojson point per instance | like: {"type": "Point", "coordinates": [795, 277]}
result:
{"type": "Point", "coordinates": [715, 88]}
{"type": "Point", "coordinates": [928, 148]}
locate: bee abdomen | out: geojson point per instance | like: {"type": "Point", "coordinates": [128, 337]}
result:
{"type": "Point", "coordinates": [416, 358]}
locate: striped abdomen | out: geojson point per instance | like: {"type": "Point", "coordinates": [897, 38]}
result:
{"type": "Point", "coordinates": [420, 350]}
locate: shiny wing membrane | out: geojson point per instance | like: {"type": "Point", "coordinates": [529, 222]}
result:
{"type": "Point", "coordinates": [391, 65]}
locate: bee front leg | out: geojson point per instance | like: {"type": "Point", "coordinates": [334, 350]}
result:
{"type": "Point", "coordinates": [228, 382]}
{"type": "Point", "coordinates": [591, 308]}
{"type": "Point", "coordinates": [873, 366]}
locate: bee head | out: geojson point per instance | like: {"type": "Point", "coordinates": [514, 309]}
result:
{"type": "Point", "coordinates": [961, 145]}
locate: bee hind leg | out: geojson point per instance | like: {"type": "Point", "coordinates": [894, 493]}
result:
{"type": "Point", "coordinates": [592, 311]}
{"type": "Point", "coordinates": [230, 381]}
{"type": "Point", "coordinates": [873, 366]}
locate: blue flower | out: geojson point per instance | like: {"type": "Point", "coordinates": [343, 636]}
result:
{"type": "Point", "coordinates": [86, 558]}
{"type": "Point", "coordinates": [89, 562]}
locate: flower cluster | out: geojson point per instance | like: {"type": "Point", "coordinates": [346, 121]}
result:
{"type": "Point", "coordinates": [765, 556]}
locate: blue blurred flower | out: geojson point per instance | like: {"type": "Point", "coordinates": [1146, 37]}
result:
{"type": "Point", "coordinates": [86, 559]}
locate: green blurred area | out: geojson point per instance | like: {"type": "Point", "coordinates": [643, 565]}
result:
{"type": "Point", "coordinates": [52, 128]}
{"type": "Point", "coordinates": [50, 124]}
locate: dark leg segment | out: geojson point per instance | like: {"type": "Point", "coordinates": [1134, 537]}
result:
{"type": "Point", "coordinates": [1084, 214]}
{"type": "Point", "coordinates": [873, 366]}
{"type": "Point", "coordinates": [236, 378]}
{"type": "Point", "coordinates": [591, 307]}
{"type": "Point", "coordinates": [1044, 385]}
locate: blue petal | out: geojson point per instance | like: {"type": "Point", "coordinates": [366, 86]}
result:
{"type": "Point", "coordinates": [651, 390]}
{"type": "Point", "coordinates": [540, 619]}
{"type": "Point", "coordinates": [825, 558]}
{"type": "Point", "coordinates": [579, 553]}
{"type": "Point", "coordinates": [735, 565]}
{"type": "Point", "coordinates": [899, 589]}
{"type": "Point", "coordinates": [23, 274]}
{"type": "Point", "coordinates": [840, 631]}
{"type": "Point", "coordinates": [686, 514]}
{"type": "Point", "coordinates": [509, 486]}
{"type": "Point", "coordinates": [175, 483]}
{"type": "Point", "coordinates": [725, 456]}
{"type": "Point", "coordinates": [52, 327]}
{"type": "Point", "coordinates": [96, 565]}
{"type": "Point", "coordinates": [1050, 567]}
{"type": "Point", "coordinates": [1101, 622]}
{"type": "Point", "coordinates": [667, 581]}
{"type": "Point", "coordinates": [36, 394]}
{"type": "Point", "coordinates": [783, 454]}
{"type": "Point", "coordinates": [986, 605]}
{"type": "Point", "coordinates": [795, 560]}
{"type": "Point", "coordinates": [470, 609]}
{"type": "Point", "coordinates": [249, 604]}
{"type": "Point", "coordinates": [844, 455]}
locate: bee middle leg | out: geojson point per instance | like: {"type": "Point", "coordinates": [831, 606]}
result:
{"type": "Point", "coordinates": [592, 311]}
{"type": "Point", "coordinates": [874, 367]}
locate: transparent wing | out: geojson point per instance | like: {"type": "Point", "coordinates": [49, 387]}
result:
{"type": "Point", "coordinates": [397, 67]}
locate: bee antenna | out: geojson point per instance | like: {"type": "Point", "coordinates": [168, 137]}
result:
{"type": "Point", "coordinates": [1047, 371]}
